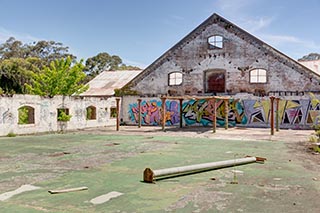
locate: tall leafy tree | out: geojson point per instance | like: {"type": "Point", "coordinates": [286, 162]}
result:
{"type": "Point", "coordinates": [15, 72]}
{"type": "Point", "coordinates": [62, 77]}
{"type": "Point", "coordinates": [18, 61]}
{"type": "Point", "coordinates": [104, 62]}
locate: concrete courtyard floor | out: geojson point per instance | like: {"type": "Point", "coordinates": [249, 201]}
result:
{"type": "Point", "coordinates": [105, 161]}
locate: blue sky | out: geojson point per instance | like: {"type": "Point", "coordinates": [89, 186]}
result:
{"type": "Point", "coordinates": [140, 31]}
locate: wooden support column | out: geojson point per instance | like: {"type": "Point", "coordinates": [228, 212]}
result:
{"type": "Point", "coordinates": [163, 113]}
{"type": "Point", "coordinates": [214, 116]}
{"type": "Point", "coordinates": [277, 114]}
{"type": "Point", "coordinates": [272, 114]}
{"type": "Point", "coordinates": [180, 101]}
{"type": "Point", "coordinates": [118, 113]}
{"type": "Point", "coordinates": [226, 107]}
{"type": "Point", "coordinates": [139, 115]}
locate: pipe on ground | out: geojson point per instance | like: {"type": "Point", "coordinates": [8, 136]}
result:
{"type": "Point", "coordinates": [150, 175]}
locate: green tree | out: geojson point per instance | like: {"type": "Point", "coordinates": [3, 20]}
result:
{"type": "Point", "coordinates": [101, 62]}
{"type": "Point", "coordinates": [60, 78]}
{"type": "Point", "coordinates": [15, 72]}
{"type": "Point", "coordinates": [18, 61]}
{"type": "Point", "coordinates": [104, 62]}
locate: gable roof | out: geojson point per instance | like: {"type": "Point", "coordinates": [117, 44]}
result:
{"type": "Point", "coordinates": [105, 83]}
{"type": "Point", "coordinates": [232, 28]}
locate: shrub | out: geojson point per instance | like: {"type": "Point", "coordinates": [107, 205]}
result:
{"type": "Point", "coordinates": [11, 134]}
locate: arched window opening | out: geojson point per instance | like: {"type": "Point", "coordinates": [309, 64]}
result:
{"type": "Point", "coordinates": [63, 114]}
{"type": "Point", "coordinates": [175, 78]}
{"type": "Point", "coordinates": [258, 76]}
{"type": "Point", "coordinates": [26, 115]}
{"type": "Point", "coordinates": [91, 113]}
{"type": "Point", "coordinates": [215, 41]}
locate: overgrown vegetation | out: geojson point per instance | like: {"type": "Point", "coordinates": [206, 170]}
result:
{"type": "Point", "coordinates": [63, 116]}
{"type": "Point", "coordinates": [11, 134]}
{"type": "Point", "coordinates": [23, 115]}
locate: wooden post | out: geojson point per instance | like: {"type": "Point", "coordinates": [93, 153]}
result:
{"type": "Point", "coordinates": [139, 115]}
{"type": "Point", "coordinates": [118, 113]}
{"type": "Point", "coordinates": [181, 101]}
{"type": "Point", "coordinates": [226, 106]}
{"type": "Point", "coordinates": [163, 113]}
{"type": "Point", "coordinates": [272, 114]}
{"type": "Point", "coordinates": [277, 114]}
{"type": "Point", "coordinates": [214, 118]}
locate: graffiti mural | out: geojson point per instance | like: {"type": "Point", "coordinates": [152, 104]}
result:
{"type": "Point", "coordinates": [202, 111]}
{"type": "Point", "coordinates": [251, 113]}
{"type": "Point", "coordinates": [151, 112]}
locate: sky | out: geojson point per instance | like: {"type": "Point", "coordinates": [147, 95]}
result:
{"type": "Point", "coordinates": [140, 31]}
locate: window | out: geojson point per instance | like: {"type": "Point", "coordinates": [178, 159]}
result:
{"type": "Point", "coordinates": [63, 114]}
{"type": "Point", "coordinates": [175, 78]}
{"type": "Point", "coordinates": [258, 76]}
{"type": "Point", "coordinates": [26, 115]}
{"type": "Point", "coordinates": [113, 112]}
{"type": "Point", "coordinates": [215, 41]}
{"type": "Point", "coordinates": [91, 113]}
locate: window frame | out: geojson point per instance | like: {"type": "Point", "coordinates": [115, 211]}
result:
{"type": "Point", "coordinates": [216, 42]}
{"type": "Point", "coordinates": [175, 78]}
{"type": "Point", "coordinates": [258, 76]}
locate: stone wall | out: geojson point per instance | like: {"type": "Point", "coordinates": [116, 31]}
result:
{"type": "Point", "coordinates": [296, 112]}
{"type": "Point", "coordinates": [241, 53]}
{"type": "Point", "coordinates": [45, 111]}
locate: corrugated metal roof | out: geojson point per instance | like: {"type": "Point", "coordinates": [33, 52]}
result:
{"type": "Point", "coordinates": [105, 83]}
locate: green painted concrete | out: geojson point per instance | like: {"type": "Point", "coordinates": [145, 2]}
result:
{"type": "Point", "coordinates": [282, 184]}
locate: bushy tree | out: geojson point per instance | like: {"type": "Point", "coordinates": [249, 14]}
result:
{"type": "Point", "coordinates": [60, 78]}
{"type": "Point", "coordinates": [105, 62]}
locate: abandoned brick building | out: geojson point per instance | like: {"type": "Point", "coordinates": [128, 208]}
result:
{"type": "Point", "coordinates": [220, 58]}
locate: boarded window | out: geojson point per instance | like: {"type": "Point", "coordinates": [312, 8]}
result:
{"type": "Point", "coordinates": [215, 82]}
{"type": "Point", "coordinates": [175, 78]}
{"type": "Point", "coordinates": [258, 76]}
{"type": "Point", "coordinates": [26, 115]}
{"type": "Point", "coordinates": [91, 113]}
{"type": "Point", "coordinates": [215, 41]}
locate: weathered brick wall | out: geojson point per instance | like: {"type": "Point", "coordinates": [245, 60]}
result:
{"type": "Point", "coordinates": [45, 113]}
{"type": "Point", "coordinates": [240, 54]}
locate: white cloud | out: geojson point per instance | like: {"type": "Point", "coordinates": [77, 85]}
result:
{"type": "Point", "coordinates": [278, 40]}
{"type": "Point", "coordinates": [257, 24]}
{"type": "Point", "coordinates": [134, 63]}
{"type": "Point", "coordinates": [5, 34]}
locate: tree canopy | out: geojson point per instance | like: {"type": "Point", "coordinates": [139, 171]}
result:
{"type": "Point", "coordinates": [60, 78]}
{"type": "Point", "coordinates": [105, 62]}
{"type": "Point", "coordinates": [20, 65]}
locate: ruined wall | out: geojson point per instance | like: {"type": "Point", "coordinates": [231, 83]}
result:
{"type": "Point", "coordinates": [45, 113]}
{"type": "Point", "coordinates": [240, 54]}
{"type": "Point", "coordinates": [294, 112]}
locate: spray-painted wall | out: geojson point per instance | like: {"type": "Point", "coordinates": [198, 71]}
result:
{"type": "Point", "coordinates": [295, 112]}
{"type": "Point", "coordinates": [45, 113]}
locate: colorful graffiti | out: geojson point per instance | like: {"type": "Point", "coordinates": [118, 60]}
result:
{"type": "Point", "coordinates": [251, 113]}
{"type": "Point", "coordinates": [292, 113]}
{"type": "Point", "coordinates": [151, 112]}
{"type": "Point", "coordinates": [202, 111]}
